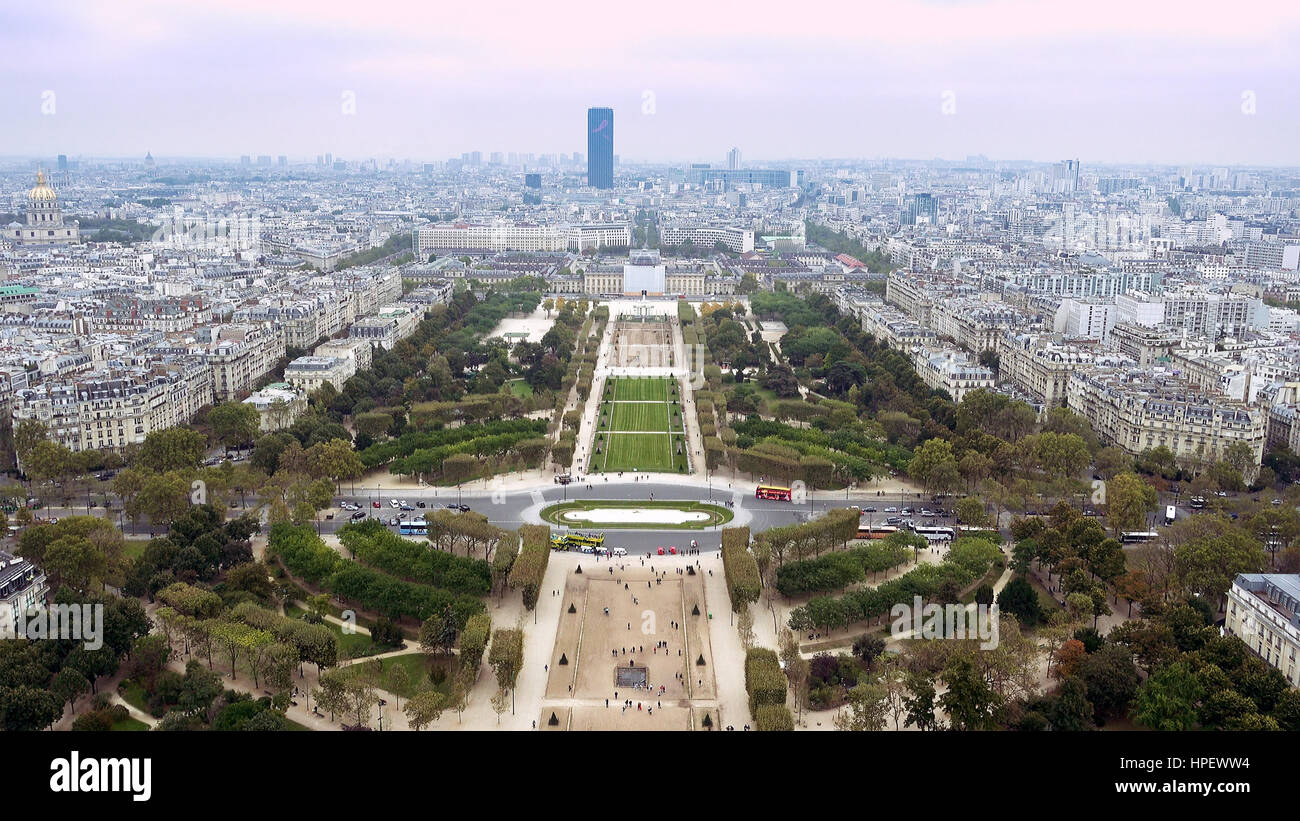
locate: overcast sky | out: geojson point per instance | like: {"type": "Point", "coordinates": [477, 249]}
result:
{"type": "Point", "coordinates": [1103, 80]}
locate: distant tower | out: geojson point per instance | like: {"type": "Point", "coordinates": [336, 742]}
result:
{"type": "Point", "coordinates": [733, 159]}
{"type": "Point", "coordinates": [148, 161]}
{"type": "Point", "coordinates": [600, 147]}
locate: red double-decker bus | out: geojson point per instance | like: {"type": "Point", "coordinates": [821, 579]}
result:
{"type": "Point", "coordinates": [781, 494]}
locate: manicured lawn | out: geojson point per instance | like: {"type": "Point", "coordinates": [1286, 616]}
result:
{"type": "Point", "coordinates": [134, 695]}
{"type": "Point", "coordinates": [129, 724]}
{"type": "Point", "coordinates": [640, 416]}
{"type": "Point", "coordinates": [133, 548]}
{"type": "Point", "coordinates": [521, 388]}
{"type": "Point", "coordinates": [640, 429]}
{"type": "Point", "coordinates": [638, 451]}
{"type": "Point", "coordinates": [649, 389]}
{"type": "Point", "coordinates": [420, 669]}
{"type": "Point", "coordinates": [353, 646]}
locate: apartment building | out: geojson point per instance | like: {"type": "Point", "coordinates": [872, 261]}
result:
{"type": "Point", "coordinates": [707, 237]}
{"type": "Point", "coordinates": [951, 371]}
{"type": "Point", "coordinates": [1138, 410]}
{"type": "Point", "coordinates": [117, 408]}
{"type": "Point", "coordinates": [359, 349]}
{"type": "Point", "coordinates": [495, 236]}
{"type": "Point", "coordinates": [1214, 315]}
{"type": "Point", "coordinates": [1264, 612]}
{"type": "Point", "coordinates": [278, 405]}
{"type": "Point", "coordinates": [309, 373]}
{"type": "Point", "coordinates": [1144, 345]}
{"type": "Point", "coordinates": [23, 587]}
{"type": "Point", "coordinates": [240, 355]}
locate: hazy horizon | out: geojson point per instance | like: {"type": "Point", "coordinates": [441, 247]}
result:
{"type": "Point", "coordinates": [1111, 83]}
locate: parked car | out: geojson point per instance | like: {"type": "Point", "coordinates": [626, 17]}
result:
{"type": "Point", "coordinates": [358, 516]}
{"type": "Point", "coordinates": [406, 507]}
{"type": "Point", "coordinates": [891, 510]}
{"type": "Point", "coordinates": [393, 522]}
{"type": "Point", "coordinates": [420, 504]}
{"type": "Point", "coordinates": [463, 508]}
{"type": "Point", "coordinates": [868, 510]}
{"type": "Point", "coordinates": [394, 504]}
{"type": "Point", "coordinates": [374, 504]}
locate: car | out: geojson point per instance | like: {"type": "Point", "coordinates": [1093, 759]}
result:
{"type": "Point", "coordinates": [420, 505]}
{"type": "Point", "coordinates": [907, 511]}
{"type": "Point", "coordinates": [619, 551]}
{"type": "Point", "coordinates": [358, 516]}
{"type": "Point", "coordinates": [463, 508]}
{"type": "Point", "coordinates": [393, 522]}
{"type": "Point", "coordinates": [329, 517]}
{"type": "Point", "coordinates": [1222, 493]}
{"type": "Point", "coordinates": [374, 504]}
{"type": "Point", "coordinates": [1277, 502]}
{"type": "Point", "coordinates": [401, 517]}
{"type": "Point", "coordinates": [925, 511]}
{"type": "Point", "coordinates": [893, 520]}
{"type": "Point", "coordinates": [891, 510]}
{"type": "Point", "coordinates": [453, 506]}
{"type": "Point", "coordinates": [1090, 512]}
{"type": "Point", "coordinates": [394, 504]}
{"type": "Point", "coordinates": [868, 510]}
{"type": "Point", "coordinates": [406, 507]}
{"type": "Point", "coordinates": [234, 505]}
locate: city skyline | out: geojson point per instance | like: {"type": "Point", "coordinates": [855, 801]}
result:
{"type": "Point", "coordinates": [919, 80]}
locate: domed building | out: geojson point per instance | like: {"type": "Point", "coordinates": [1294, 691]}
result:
{"type": "Point", "coordinates": [44, 219]}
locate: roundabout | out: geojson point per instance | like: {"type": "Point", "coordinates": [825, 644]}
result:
{"type": "Point", "coordinates": [636, 514]}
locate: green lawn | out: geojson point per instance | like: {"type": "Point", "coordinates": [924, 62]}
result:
{"type": "Point", "coordinates": [521, 388]}
{"type": "Point", "coordinates": [641, 451]}
{"type": "Point", "coordinates": [421, 669]}
{"type": "Point", "coordinates": [129, 724]}
{"type": "Point", "coordinates": [134, 695]}
{"type": "Point", "coordinates": [353, 646]}
{"type": "Point", "coordinates": [648, 389]}
{"type": "Point", "coordinates": [640, 416]}
{"type": "Point", "coordinates": [640, 429]}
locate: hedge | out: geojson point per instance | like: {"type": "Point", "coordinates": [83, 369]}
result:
{"type": "Point", "coordinates": [304, 554]}
{"type": "Point", "coordinates": [530, 566]}
{"type": "Point", "coordinates": [740, 568]}
{"type": "Point", "coordinates": [378, 547]}
{"type": "Point", "coordinates": [967, 560]}
{"type": "Point", "coordinates": [837, 570]}
{"type": "Point", "coordinates": [773, 718]}
{"type": "Point", "coordinates": [765, 682]}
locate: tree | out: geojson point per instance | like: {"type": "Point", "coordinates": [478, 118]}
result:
{"type": "Point", "coordinates": [1128, 500]}
{"type": "Point", "coordinates": [1019, 598]}
{"type": "Point", "coordinates": [1071, 711]}
{"type": "Point", "coordinates": [172, 449]}
{"type": "Point", "coordinates": [1169, 699]}
{"type": "Point", "coordinates": [507, 657]}
{"type": "Point", "coordinates": [68, 684]}
{"type": "Point", "coordinates": [867, 708]}
{"type": "Point", "coordinates": [969, 702]}
{"type": "Point", "coordinates": [424, 708]}
{"type": "Point", "coordinates": [234, 424]}
{"type": "Point", "coordinates": [745, 627]}
{"type": "Point", "coordinates": [500, 702]}
{"type": "Point", "coordinates": [934, 466]}
{"type": "Point", "coordinates": [970, 511]}
{"type": "Point", "coordinates": [920, 702]}
{"type": "Point", "coordinates": [25, 708]}
{"type": "Point", "coordinates": [26, 434]}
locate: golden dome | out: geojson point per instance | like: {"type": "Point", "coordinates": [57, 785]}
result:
{"type": "Point", "coordinates": [42, 191]}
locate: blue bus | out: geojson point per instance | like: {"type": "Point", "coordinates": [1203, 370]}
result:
{"type": "Point", "coordinates": [417, 528]}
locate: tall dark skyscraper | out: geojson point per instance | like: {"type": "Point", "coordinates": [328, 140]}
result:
{"type": "Point", "coordinates": [600, 147]}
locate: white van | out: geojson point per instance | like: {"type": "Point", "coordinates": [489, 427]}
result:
{"type": "Point", "coordinates": [618, 551]}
